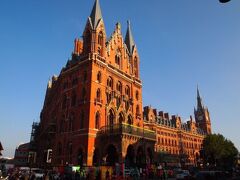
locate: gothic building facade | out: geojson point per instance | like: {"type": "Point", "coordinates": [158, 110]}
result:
{"type": "Point", "coordinates": [92, 113]}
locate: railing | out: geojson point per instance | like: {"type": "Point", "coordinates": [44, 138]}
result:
{"type": "Point", "coordinates": [117, 129]}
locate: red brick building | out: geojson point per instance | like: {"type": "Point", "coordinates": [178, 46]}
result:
{"type": "Point", "coordinates": [92, 112]}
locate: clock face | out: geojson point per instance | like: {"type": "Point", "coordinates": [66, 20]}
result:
{"type": "Point", "coordinates": [200, 118]}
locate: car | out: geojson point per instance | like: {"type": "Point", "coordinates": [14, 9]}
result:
{"type": "Point", "coordinates": [182, 174]}
{"type": "Point", "coordinates": [39, 173]}
{"type": "Point", "coordinates": [220, 175]}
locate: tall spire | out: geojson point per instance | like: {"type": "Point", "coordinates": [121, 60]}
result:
{"type": "Point", "coordinates": [199, 100]}
{"type": "Point", "coordinates": [129, 39]}
{"type": "Point", "coordinates": [96, 14]}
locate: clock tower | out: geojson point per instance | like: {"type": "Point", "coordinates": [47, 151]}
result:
{"type": "Point", "coordinates": [202, 115]}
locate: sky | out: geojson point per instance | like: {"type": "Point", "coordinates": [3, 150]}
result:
{"type": "Point", "coordinates": [181, 44]}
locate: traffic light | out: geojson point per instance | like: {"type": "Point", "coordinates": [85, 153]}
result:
{"type": "Point", "coordinates": [49, 156]}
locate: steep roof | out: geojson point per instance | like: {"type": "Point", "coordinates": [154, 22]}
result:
{"type": "Point", "coordinates": [96, 14]}
{"type": "Point", "coordinates": [129, 39]}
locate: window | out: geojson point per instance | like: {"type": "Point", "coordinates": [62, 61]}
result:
{"type": "Point", "coordinates": [98, 94]}
{"type": "Point", "coordinates": [119, 86]}
{"type": "Point", "coordinates": [100, 38]}
{"type": "Point", "coordinates": [99, 76]}
{"type": "Point", "coordinates": [110, 82]}
{"type": "Point", "coordinates": [97, 120]}
{"type": "Point", "coordinates": [127, 91]}
{"type": "Point", "coordinates": [117, 60]}
{"type": "Point", "coordinates": [137, 95]}
{"type": "Point", "coordinates": [109, 97]}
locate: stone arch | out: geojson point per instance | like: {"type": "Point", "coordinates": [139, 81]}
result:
{"type": "Point", "coordinates": [149, 155]}
{"type": "Point", "coordinates": [140, 157]}
{"type": "Point", "coordinates": [111, 155]}
{"type": "Point", "coordinates": [130, 156]}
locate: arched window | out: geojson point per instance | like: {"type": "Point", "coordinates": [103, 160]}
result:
{"type": "Point", "coordinates": [110, 82]}
{"type": "Point", "coordinates": [98, 94]}
{"type": "Point", "coordinates": [97, 120]}
{"type": "Point", "coordinates": [99, 76]}
{"type": "Point", "coordinates": [100, 38]}
{"type": "Point", "coordinates": [127, 90]}
{"type": "Point", "coordinates": [73, 99]}
{"type": "Point", "coordinates": [119, 87]}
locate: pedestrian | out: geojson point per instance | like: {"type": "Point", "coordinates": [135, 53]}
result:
{"type": "Point", "coordinates": [107, 175]}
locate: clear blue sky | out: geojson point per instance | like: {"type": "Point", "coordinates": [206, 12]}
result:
{"type": "Point", "coordinates": [181, 44]}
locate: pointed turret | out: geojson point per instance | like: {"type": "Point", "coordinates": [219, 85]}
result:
{"type": "Point", "coordinates": [96, 14]}
{"type": "Point", "coordinates": [129, 39]}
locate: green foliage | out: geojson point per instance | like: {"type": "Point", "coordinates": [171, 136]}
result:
{"type": "Point", "coordinates": [219, 151]}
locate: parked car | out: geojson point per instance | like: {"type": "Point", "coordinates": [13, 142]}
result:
{"type": "Point", "coordinates": [39, 173]}
{"type": "Point", "coordinates": [182, 174]}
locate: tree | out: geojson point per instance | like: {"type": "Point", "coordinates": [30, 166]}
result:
{"type": "Point", "coordinates": [219, 151]}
